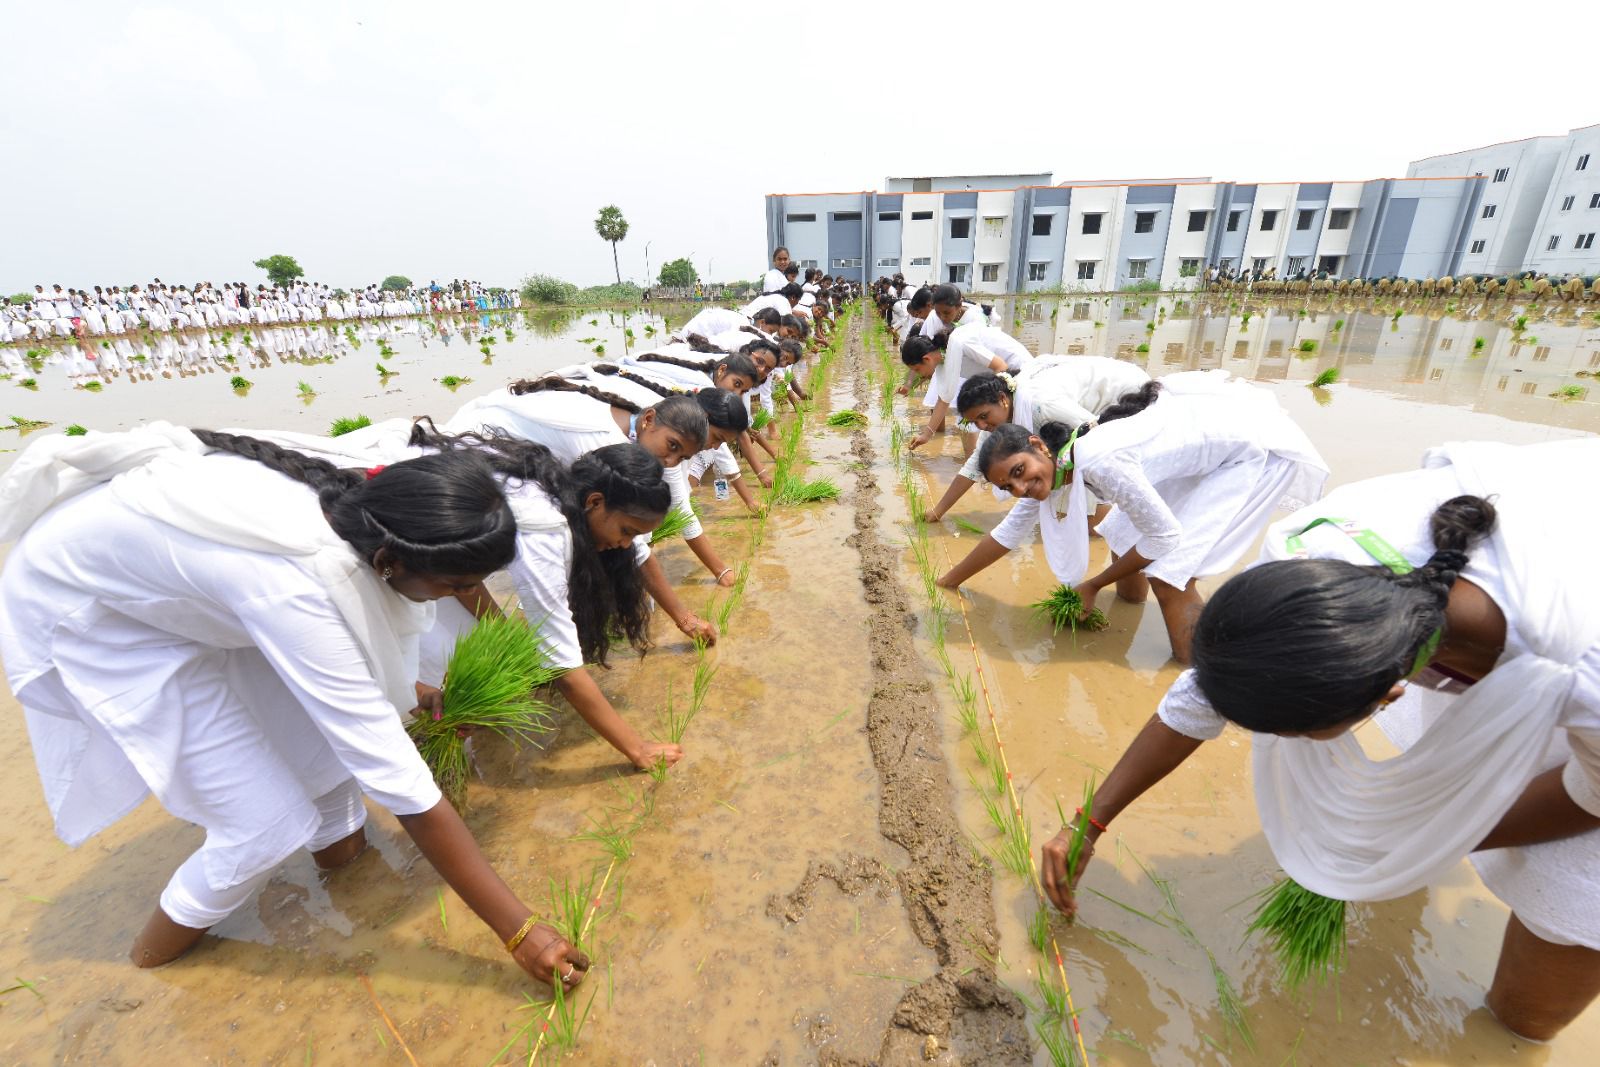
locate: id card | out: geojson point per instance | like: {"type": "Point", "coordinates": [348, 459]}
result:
{"type": "Point", "coordinates": [720, 486]}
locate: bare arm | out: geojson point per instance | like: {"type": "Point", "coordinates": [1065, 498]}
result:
{"type": "Point", "coordinates": [444, 839]}
{"type": "Point", "coordinates": [935, 424]}
{"type": "Point", "coordinates": [1154, 754]}
{"type": "Point", "coordinates": [478, 602]}
{"type": "Point", "coordinates": [707, 555]}
{"type": "Point", "coordinates": [590, 703]}
{"type": "Point", "coordinates": [661, 591]}
{"type": "Point", "coordinates": [984, 553]}
{"type": "Point", "coordinates": [747, 449]}
{"type": "Point", "coordinates": [1544, 812]}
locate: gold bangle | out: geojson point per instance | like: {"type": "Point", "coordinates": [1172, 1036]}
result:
{"type": "Point", "coordinates": [516, 938]}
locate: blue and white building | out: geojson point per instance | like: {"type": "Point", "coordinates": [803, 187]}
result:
{"type": "Point", "coordinates": [1499, 210]}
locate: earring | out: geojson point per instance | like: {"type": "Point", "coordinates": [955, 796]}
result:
{"type": "Point", "coordinates": [388, 572]}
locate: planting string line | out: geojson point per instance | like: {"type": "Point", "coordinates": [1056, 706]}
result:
{"type": "Point", "coordinates": [386, 1020]}
{"type": "Point", "coordinates": [1016, 804]}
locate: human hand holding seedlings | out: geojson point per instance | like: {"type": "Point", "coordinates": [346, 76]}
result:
{"type": "Point", "coordinates": [591, 704]}
{"type": "Point", "coordinates": [1087, 590]}
{"type": "Point", "coordinates": [696, 628]}
{"type": "Point", "coordinates": [1059, 881]}
{"type": "Point", "coordinates": [545, 955]}
{"type": "Point", "coordinates": [430, 703]}
{"type": "Point", "coordinates": [922, 437]}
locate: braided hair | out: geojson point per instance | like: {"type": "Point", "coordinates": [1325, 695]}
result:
{"type": "Point", "coordinates": [660, 388]}
{"type": "Point", "coordinates": [604, 589]}
{"type": "Point", "coordinates": [986, 387]}
{"type": "Point", "coordinates": [436, 515]}
{"type": "Point", "coordinates": [736, 363]}
{"type": "Point", "coordinates": [1309, 644]}
{"type": "Point", "coordinates": [677, 412]}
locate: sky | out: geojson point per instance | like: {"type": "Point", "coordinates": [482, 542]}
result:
{"type": "Point", "coordinates": [444, 140]}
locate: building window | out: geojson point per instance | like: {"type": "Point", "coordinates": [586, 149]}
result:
{"type": "Point", "coordinates": [1555, 243]}
{"type": "Point", "coordinates": [1541, 354]}
{"type": "Point", "coordinates": [1488, 211]}
{"type": "Point", "coordinates": [991, 272]}
{"type": "Point", "coordinates": [1233, 220]}
{"type": "Point", "coordinates": [1529, 388]}
{"type": "Point", "coordinates": [1224, 264]}
{"type": "Point", "coordinates": [923, 261]}
{"type": "Point", "coordinates": [1594, 358]}
{"type": "Point", "coordinates": [1080, 313]}
{"type": "Point", "coordinates": [1477, 247]}
{"type": "Point", "coordinates": [1446, 343]}
{"type": "Point", "coordinates": [1594, 201]}
{"type": "Point", "coordinates": [922, 216]}
{"type": "Point", "coordinates": [1329, 264]}
{"type": "Point", "coordinates": [1505, 380]}
{"type": "Point", "coordinates": [806, 264]}
{"type": "Point", "coordinates": [1188, 268]}
{"type": "Point", "coordinates": [1274, 349]}
{"type": "Point", "coordinates": [1566, 202]}
{"type": "Point", "coordinates": [892, 261]}
{"type": "Point", "coordinates": [1037, 271]}
{"type": "Point", "coordinates": [1296, 264]}
{"type": "Point", "coordinates": [1583, 162]}
{"type": "Point", "coordinates": [1502, 174]}
{"type": "Point", "coordinates": [1241, 349]}
{"type": "Point", "coordinates": [845, 264]}
{"type": "Point", "coordinates": [1583, 241]}
{"type": "Point", "coordinates": [1041, 225]}
{"type": "Point", "coordinates": [1137, 268]}
{"type": "Point", "coordinates": [1269, 220]}
{"type": "Point", "coordinates": [1197, 221]}
{"type": "Point", "coordinates": [1086, 269]}
{"type": "Point", "coordinates": [847, 216]}
{"type": "Point", "coordinates": [960, 228]}
{"type": "Point", "coordinates": [994, 225]}
{"type": "Point", "coordinates": [1258, 266]}
{"type": "Point", "coordinates": [1091, 223]}
{"type": "Point", "coordinates": [1436, 374]}
{"type": "Point", "coordinates": [955, 273]}
{"type": "Point", "coordinates": [1144, 221]}
{"type": "Point", "coordinates": [888, 216]}
{"type": "Point", "coordinates": [800, 218]}
{"type": "Point", "coordinates": [1303, 217]}
{"type": "Point", "coordinates": [1339, 218]}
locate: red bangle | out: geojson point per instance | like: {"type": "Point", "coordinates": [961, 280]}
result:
{"type": "Point", "coordinates": [1091, 821]}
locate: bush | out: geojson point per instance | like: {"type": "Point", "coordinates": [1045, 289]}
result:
{"type": "Point", "coordinates": [1145, 285]}
{"type": "Point", "coordinates": [548, 289]}
{"type": "Point", "coordinates": [21, 298]}
{"type": "Point", "coordinates": [614, 293]}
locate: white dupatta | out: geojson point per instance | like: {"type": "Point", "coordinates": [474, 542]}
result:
{"type": "Point", "coordinates": [160, 471]}
{"type": "Point", "coordinates": [1353, 828]}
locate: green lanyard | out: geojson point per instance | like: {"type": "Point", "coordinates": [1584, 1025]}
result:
{"type": "Point", "coordinates": [1064, 464]}
{"type": "Point", "coordinates": [1384, 553]}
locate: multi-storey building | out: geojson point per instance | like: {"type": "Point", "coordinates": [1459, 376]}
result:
{"type": "Point", "coordinates": [1503, 209]}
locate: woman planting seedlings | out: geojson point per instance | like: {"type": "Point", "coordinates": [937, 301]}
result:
{"type": "Point", "coordinates": [581, 536]}
{"type": "Point", "coordinates": [736, 373]}
{"type": "Point", "coordinates": [1462, 626]}
{"type": "Point", "coordinates": [234, 631]}
{"type": "Point", "coordinates": [1072, 390]}
{"type": "Point", "coordinates": [949, 359]}
{"type": "Point", "coordinates": [1195, 475]}
{"type": "Point", "coordinates": [571, 415]}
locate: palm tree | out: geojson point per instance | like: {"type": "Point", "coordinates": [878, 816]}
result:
{"type": "Point", "coordinates": [611, 226]}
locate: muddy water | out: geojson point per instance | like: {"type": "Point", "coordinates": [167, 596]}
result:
{"type": "Point", "coordinates": [760, 918]}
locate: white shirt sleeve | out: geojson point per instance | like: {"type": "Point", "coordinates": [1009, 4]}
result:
{"type": "Point", "coordinates": [1186, 710]}
{"type": "Point", "coordinates": [678, 483]}
{"type": "Point", "coordinates": [1122, 482]}
{"type": "Point", "coordinates": [311, 648]}
{"type": "Point", "coordinates": [540, 573]}
{"type": "Point", "coordinates": [1018, 523]}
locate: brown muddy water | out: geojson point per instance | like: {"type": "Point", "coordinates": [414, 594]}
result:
{"type": "Point", "coordinates": [800, 889]}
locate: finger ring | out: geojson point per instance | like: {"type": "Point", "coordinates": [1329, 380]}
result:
{"type": "Point", "coordinates": [571, 970]}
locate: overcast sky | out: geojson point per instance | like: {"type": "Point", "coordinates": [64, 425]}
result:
{"type": "Point", "coordinates": [473, 140]}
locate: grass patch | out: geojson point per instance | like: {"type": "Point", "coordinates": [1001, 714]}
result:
{"type": "Point", "coordinates": [488, 685]}
{"type": "Point", "coordinates": [1063, 609]}
{"type": "Point", "coordinates": [344, 424]}
{"type": "Point", "coordinates": [1305, 930]}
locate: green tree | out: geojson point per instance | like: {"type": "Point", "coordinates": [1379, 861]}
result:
{"type": "Point", "coordinates": [281, 270]}
{"type": "Point", "coordinates": [611, 226]}
{"type": "Point", "coordinates": [21, 298]}
{"type": "Point", "coordinates": [679, 274]}
{"type": "Point", "coordinates": [395, 283]}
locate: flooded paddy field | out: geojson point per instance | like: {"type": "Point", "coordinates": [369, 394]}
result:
{"type": "Point", "coordinates": [816, 882]}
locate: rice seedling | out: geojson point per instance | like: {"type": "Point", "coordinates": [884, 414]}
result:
{"type": "Point", "coordinates": [1326, 378]}
{"type": "Point", "coordinates": [1080, 830]}
{"type": "Point", "coordinates": [1529, 340]}
{"type": "Point", "coordinates": [1039, 929]}
{"type": "Point", "coordinates": [569, 906]}
{"type": "Point", "coordinates": [615, 841]}
{"type": "Point", "coordinates": [22, 983]}
{"type": "Point", "coordinates": [1063, 609]}
{"type": "Point", "coordinates": [23, 424]}
{"type": "Point", "coordinates": [488, 685]}
{"type": "Point", "coordinates": [600, 349]}
{"type": "Point", "coordinates": [76, 430]}
{"type": "Point", "coordinates": [788, 488]}
{"type": "Point", "coordinates": [509, 335]}
{"type": "Point", "coordinates": [649, 331]}
{"type": "Point", "coordinates": [345, 424]}
{"type": "Point", "coordinates": [1142, 348]}
{"type": "Point", "coordinates": [29, 383]}
{"type": "Point", "coordinates": [384, 350]}
{"type": "Point", "coordinates": [847, 418]}
{"type": "Point", "coordinates": [453, 382]}
{"type": "Point", "coordinates": [239, 381]}
{"type": "Point", "coordinates": [1478, 343]}
{"type": "Point", "coordinates": [1305, 930]}
{"type": "Point", "coordinates": [1520, 323]}
{"type": "Point", "coordinates": [761, 419]}
{"type": "Point", "coordinates": [1566, 392]}
{"type": "Point", "coordinates": [305, 390]}
{"type": "Point", "coordinates": [92, 386]}
{"type": "Point", "coordinates": [704, 671]}
{"type": "Point", "coordinates": [1308, 345]}
{"type": "Point", "coordinates": [444, 920]}
{"type": "Point", "coordinates": [969, 526]}
{"type": "Point", "coordinates": [1397, 315]}
{"type": "Point", "coordinates": [1244, 320]}
{"type": "Point", "coordinates": [1053, 1037]}
{"type": "Point", "coordinates": [966, 703]}
{"type": "Point", "coordinates": [676, 522]}
{"type": "Point", "coordinates": [1338, 324]}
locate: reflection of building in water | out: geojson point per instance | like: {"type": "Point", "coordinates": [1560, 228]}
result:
{"type": "Point", "coordinates": [1431, 357]}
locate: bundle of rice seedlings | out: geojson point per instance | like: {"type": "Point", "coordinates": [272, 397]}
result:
{"type": "Point", "coordinates": [344, 424]}
{"type": "Point", "coordinates": [790, 488]}
{"type": "Point", "coordinates": [1063, 609]}
{"type": "Point", "coordinates": [489, 685]}
{"type": "Point", "coordinates": [76, 430]}
{"type": "Point", "coordinates": [239, 381]}
{"type": "Point", "coordinates": [672, 526]}
{"type": "Point", "coordinates": [761, 419]}
{"type": "Point", "coordinates": [1305, 930]}
{"type": "Point", "coordinates": [1326, 378]}
{"type": "Point", "coordinates": [848, 417]}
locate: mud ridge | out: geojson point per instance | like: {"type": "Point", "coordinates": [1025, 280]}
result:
{"type": "Point", "coordinates": [946, 889]}
{"type": "Point", "coordinates": [852, 876]}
